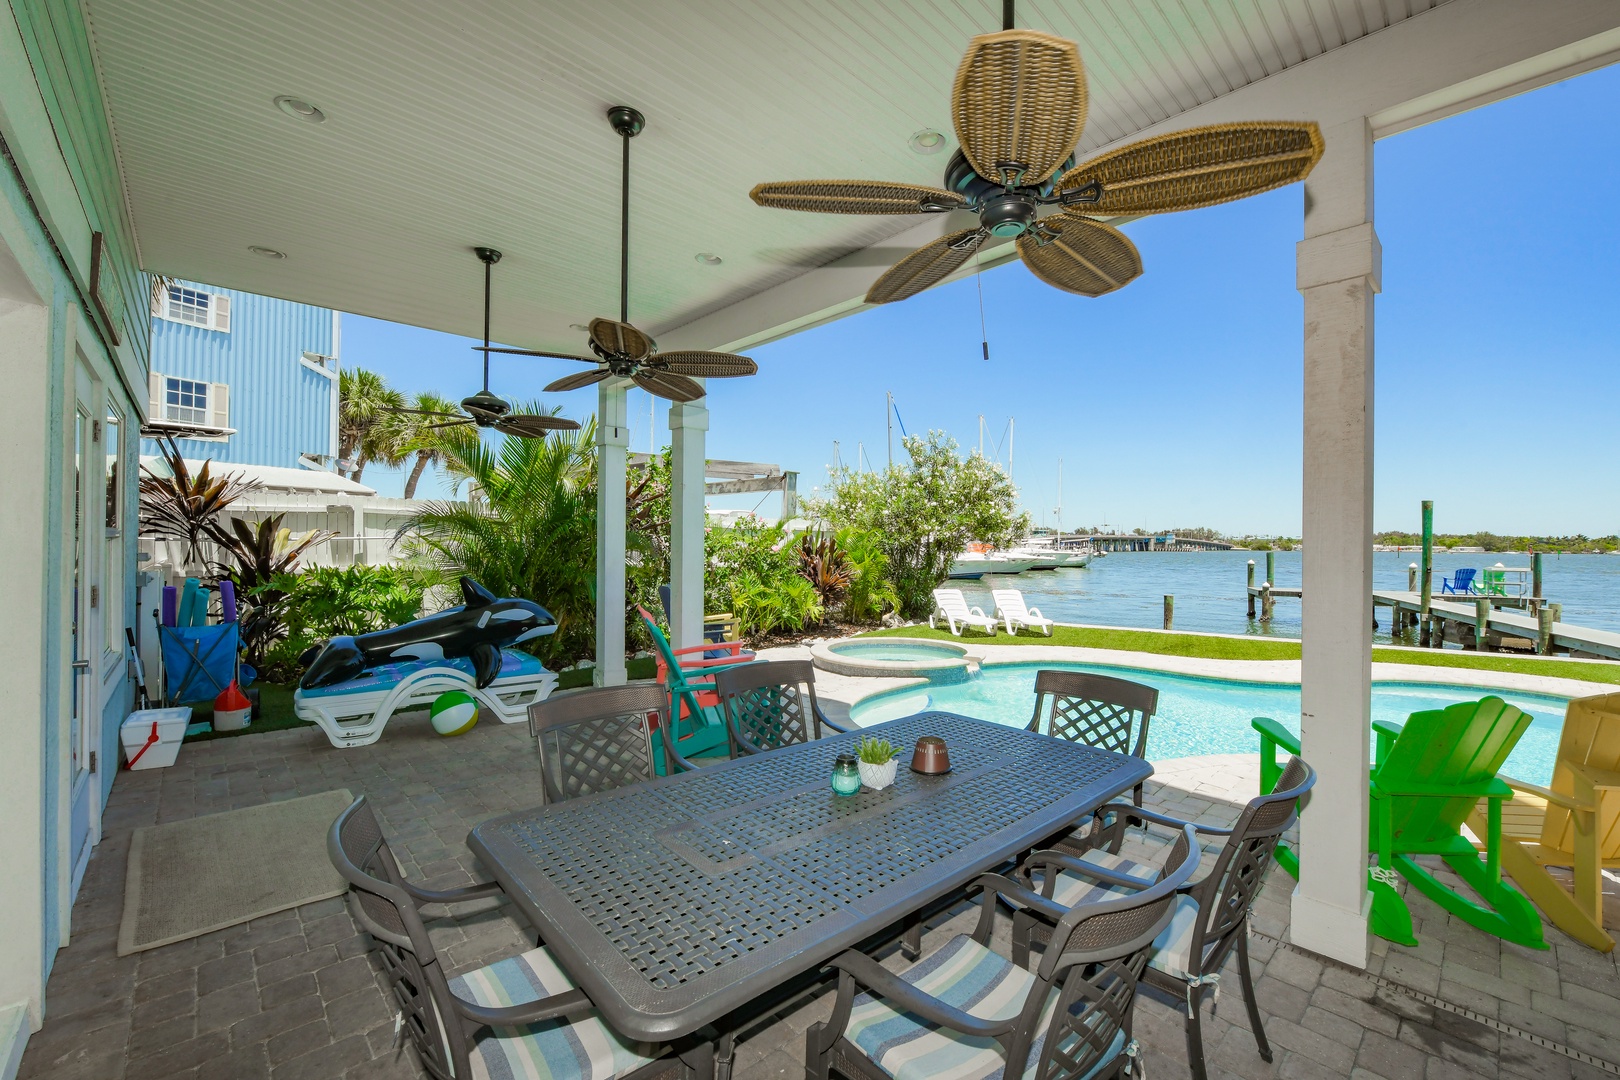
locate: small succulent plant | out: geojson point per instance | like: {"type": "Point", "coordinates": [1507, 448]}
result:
{"type": "Point", "coordinates": [876, 751]}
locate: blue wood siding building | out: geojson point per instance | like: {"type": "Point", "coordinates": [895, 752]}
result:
{"type": "Point", "coordinates": [262, 370]}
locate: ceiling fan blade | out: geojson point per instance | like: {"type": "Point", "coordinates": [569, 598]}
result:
{"type": "Point", "coordinates": [1082, 256]}
{"type": "Point", "coordinates": [928, 265]}
{"type": "Point", "coordinates": [1198, 167]}
{"type": "Point", "coordinates": [537, 352]}
{"type": "Point", "coordinates": [620, 339]}
{"type": "Point", "coordinates": [574, 382]}
{"type": "Point", "coordinates": [1019, 100]}
{"type": "Point", "coordinates": [529, 426]}
{"type": "Point", "coordinates": [667, 384]}
{"type": "Point", "coordinates": [855, 197]}
{"type": "Point", "coordinates": [453, 423]}
{"type": "Point", "coordinates": [704, 365]}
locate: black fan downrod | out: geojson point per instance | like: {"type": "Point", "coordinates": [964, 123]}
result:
{"type": "Point", "coordinates": [628, 123]}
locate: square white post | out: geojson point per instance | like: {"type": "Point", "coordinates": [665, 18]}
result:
{"type": "Point", "coordinates": [1339, 264]}
{"type": "Point", "coordinates": [612, 443]}
{"type": "Point", "coordinates": [688, 424]}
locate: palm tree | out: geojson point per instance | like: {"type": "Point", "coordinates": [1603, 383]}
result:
{"type": "Point", "coordinates": [532, 530]}
{"type": "Point", "coordinates": [425, 440]}
{"type": "Point", "coordinates": [364, 398]}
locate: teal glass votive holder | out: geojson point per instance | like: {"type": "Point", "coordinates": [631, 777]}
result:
{"type": "Point", "coordinates": [846, 775]}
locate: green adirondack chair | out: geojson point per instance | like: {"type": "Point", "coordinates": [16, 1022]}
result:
{"type": "Point", "coordinates": [1427, 776]}
{"type": "Point", "coordinates": [697, 724]}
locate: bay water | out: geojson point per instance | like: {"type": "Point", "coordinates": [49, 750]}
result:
{"type": "Point", "coordinates": [1127, 588]}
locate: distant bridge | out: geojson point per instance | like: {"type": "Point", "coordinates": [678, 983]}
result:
{"type": "Point", "coordinates": [1133, 542]}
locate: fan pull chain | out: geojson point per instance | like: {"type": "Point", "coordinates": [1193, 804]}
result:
{"type": "Point", "coordinates": [978, 279]}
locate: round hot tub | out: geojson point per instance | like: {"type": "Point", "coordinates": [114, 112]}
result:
{"type": "Point", "coordinates": [896, 657]}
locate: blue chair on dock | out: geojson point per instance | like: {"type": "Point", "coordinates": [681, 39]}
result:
{"type": "Point", "coordinates": [1460, 583]}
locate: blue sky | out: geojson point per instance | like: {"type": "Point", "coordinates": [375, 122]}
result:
{"type": "Point", "coordinates": [1177, 401]}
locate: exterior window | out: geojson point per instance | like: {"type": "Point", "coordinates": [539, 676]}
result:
{"type": "Point", "coordinates": [188, 306]}
{"type": "Point", "coordinates": [114, 448]}
{"type": "Point", "coordinates": [185, 401]}
{"type": "Point", "coordinates": [193, 307]}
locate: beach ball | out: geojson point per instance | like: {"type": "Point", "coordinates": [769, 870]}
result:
{"type": "Point", "coordinates": [454, 712]}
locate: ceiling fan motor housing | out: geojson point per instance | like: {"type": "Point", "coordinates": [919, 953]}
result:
{"type": "Point", "coordinates": [485, 407]}
{"type": "Point", "coordinates": [1003, 211]}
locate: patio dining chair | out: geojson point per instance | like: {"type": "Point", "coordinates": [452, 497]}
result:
{"type": "Point", "coordinates": [599, 739]}
{"type": "Point", "coordinates": [966, 1012]}
{"type": "Point", "coordinates": [471, 1026]}
{"type": "Point", "coordinates": [770, 704]}
{"type": "Point", "coordinates": [1211, 917]}
{"type": "Point", "coordinates": [1097, 710]}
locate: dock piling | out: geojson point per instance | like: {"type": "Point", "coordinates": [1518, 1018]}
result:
{"type": "Point", "coordinates": [1268, 604]}
{"type": "Point", "coordinates": [1482, 616]}
{"type": "Point", "coordinates": [1271, 567]}
{"type": "Point", "coordinates": [1535, 578]}
{"type": "Point", "coordinates": [1426, 573]}
{"type": "Point", "coordinates": [1544, 621]}
{"type": "Point", "coordinates": [1169, 611]}
{"type": "Point", "coordinates": [1251, 588]}
{"type": "Point", "coordinates": [1411, 577]}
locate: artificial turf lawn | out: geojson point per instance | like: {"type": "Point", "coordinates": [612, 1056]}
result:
{"type": "Point", "coordinates": [276, 702]}
{"type": "Point", "coordinates": [1234, 648]}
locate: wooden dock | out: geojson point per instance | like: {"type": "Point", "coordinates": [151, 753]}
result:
{"type": "Point", "coordinates": [1469, 622]}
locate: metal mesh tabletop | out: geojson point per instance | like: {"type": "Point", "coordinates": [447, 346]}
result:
{"type": "Point", "coordinates": [675, 901]}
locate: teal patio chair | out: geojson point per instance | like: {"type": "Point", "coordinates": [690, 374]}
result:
{"type": "Point", "coordinates": [697, 721]}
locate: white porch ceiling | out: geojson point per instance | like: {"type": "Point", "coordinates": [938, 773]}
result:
{"type": "Point", "coordinates": [481, 122]}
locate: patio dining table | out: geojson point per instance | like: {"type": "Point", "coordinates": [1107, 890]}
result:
{"type": "Point", "coordinates": [676, 901]}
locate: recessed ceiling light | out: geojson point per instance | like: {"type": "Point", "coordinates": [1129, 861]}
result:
{"type": "Point", "coordinates": [928, 141]}
{"type": "Point", "coordinates": [708, 258]}
{"type": "Point", "coordinates": [581, 327]}
{"type": "Point", "coordinates": [269, 253]}
{"type": "Point", "coordinates": [300, 109]}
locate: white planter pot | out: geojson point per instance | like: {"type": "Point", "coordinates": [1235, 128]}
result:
{"type": "Point", "coordinates": [878, 777]}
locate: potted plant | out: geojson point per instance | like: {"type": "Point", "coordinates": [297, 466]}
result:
{"type": "Point", "coordinates": [878, 761]}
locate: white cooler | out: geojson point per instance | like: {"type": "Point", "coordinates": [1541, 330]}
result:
{"type": "Point", "coordinates": [137, 730]}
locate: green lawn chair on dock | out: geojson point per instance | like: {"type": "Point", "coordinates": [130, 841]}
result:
{"type": "Point", "coordinates": [1427, 776]}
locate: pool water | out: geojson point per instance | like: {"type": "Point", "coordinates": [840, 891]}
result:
{"type": "Point", "coordinates": [898, 650]}
{"type": "Point", "coordinates": [1211, 716]}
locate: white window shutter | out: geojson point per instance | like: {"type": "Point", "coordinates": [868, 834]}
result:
{"type": "Point", "coordinates": [220, 306]}
{"type": "Point", "coordinates": [219, 405]}
{"type": "Point", "coordinates": [154, 396]}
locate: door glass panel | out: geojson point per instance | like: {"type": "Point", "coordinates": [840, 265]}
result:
{"type": "Point", "coordinates": [81, 434]}
{"type": "Point", "coordinates": [112, 560]}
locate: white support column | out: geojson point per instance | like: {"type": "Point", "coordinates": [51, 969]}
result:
{"type": "Point", "coordinates": [612, 444]}
{"type": "Point", "coordinates": [1339, 265]}
{"type": "Point", "coordinates": [688, 424]}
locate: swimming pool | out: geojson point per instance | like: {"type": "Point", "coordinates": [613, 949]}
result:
{"type": "Point", "coordinates": [896, 650]}
{"type": "Point", "coordinates": [1211, 716]}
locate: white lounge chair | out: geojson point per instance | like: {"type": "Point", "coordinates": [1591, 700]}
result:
{"type": "Point", "coordinates": [1010, 607]}
{"type": "Point", "coordinates": [953, 606]}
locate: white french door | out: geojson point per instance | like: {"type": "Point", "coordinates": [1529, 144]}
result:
{"type": "Point", "coordinates": [85, 529]}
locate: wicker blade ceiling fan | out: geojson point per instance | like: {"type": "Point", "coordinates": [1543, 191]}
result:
{"type": "Point", "coordinates": [484, 409]}
{"type": "Point", "coordinates": [623, 351]}
{"type": "Point", "coordinates": [1019, 107]}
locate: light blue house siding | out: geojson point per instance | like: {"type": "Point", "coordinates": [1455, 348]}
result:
{"type": "Point", "coordinates": [259, 361]}
{"type": "Point", "coordinates": [74, 338]}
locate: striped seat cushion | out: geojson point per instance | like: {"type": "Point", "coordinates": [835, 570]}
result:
{"type": "Point", "coordinates": [970, 977]}
{"type": "Point", "coordinates": [1174, 943]}
{"type": "Point", "coordinates": [579, 1048]}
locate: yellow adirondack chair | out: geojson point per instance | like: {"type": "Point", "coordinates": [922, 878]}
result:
{"type": "Point", "coordinates": [1574, 823]}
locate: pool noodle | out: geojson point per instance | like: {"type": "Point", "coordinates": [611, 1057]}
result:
{"type": "Point", "coordinates": [227, 600]}
{"type": "Point", "coordinates": [171, 605]}
{"type": "Point", "coordinates": [191, 599]}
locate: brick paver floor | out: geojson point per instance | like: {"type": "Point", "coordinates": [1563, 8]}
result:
{"type": "Point", "coordinates": [296, 995]}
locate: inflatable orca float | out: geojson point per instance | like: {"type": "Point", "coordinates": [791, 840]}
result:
{"type": "Point", "coordinates": [480, 628]}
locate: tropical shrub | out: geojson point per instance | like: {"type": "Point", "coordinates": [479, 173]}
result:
{"type": "Point", "coordinates": [870, 594]}
{"type": "Point", "coordinates": [326, 601]}
{"type": "Point", "coordinates": [753, 572]}
{"type": "Point", "coordinates": [925, 512]}
{"type": "Point", "coordinates": [528, 529]}
{"type": "Point", "coordinates": [826, 567]}
{"type": "Point", "coordinates": [263, 553]}
{"type": "Point", "coordinates": [183, 507]}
